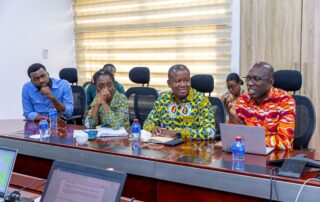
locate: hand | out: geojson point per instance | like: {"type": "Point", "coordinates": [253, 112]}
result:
{"type": "Point", "coordinates": [169, 133]}
{"type": "Point", "coordinates": [62, 118]}
{"type": "Point", "coordinates": [156, 131]}
{"type": "Point", "coordinates": [46, 91]}
{"type": "Point", "coordinates": [104, 96]}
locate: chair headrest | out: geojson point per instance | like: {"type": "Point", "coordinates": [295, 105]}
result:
{"type": "Point", "coordinates": [202, 83]}
{"type": "Point", "coordinates": [70, 74]}
{"type": "Point", "coordinates": [140, 75]}
{"type": "Point", "coordinates": [288, 80]}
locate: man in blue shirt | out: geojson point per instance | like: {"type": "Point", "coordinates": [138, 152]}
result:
{"type": "Point", "coordinates": [42, 92]}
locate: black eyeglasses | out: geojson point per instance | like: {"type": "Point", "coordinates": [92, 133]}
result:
{"type": "Point", "coordinates": [255, 79]}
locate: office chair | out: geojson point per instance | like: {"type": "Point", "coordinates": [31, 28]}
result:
{"type": "Point", "coordinates": [205, 83]}
{"type": "Point", "coordinates": [291, 80]}
{"type": "Point", "coordinates": [140, 99]}
{"type": "Point", "coordinates": [79, 95]}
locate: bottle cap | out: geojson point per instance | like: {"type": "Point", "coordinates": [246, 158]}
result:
{"type": "Point", "coordinates": [238, 138]}
{"type": "Point", "coordinates": [135, 120]}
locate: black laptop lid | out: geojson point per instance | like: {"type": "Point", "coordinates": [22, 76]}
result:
{"type": "Point", "coordinates": [73, 182]}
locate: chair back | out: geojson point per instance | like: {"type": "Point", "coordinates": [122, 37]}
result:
{"type": "Point", "coordinates": [70, 74]}
{"type": "Point", "coordinates": [140, 99]}
{"type": "Point", "coordinates": [291, 80]}
{"type": "Point", "coordinates": [79, 95]}
{"type": "Point", "coordinates": [205, 83]}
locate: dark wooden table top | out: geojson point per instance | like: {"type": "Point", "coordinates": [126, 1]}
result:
{"type": "Point", "coordinates": [199, 154]}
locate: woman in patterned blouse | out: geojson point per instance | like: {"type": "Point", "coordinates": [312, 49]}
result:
{"type": "Point", "coordinates": [109, 108]}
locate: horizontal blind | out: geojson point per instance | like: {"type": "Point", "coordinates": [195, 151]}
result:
{"type": "Point", "coordinates": [156, 34]}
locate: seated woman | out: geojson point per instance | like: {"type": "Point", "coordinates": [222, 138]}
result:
{"type": "Point", "coordinates": [109, 108]}
{"type": "Point", "coordinates": [91, 91]}
{"type": "Point", "coordinates": [234, 84]}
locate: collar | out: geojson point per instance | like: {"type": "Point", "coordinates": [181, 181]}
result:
{"type": "Point", "coordinates": [189, 97]}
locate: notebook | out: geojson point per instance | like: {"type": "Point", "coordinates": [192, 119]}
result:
{"type": "Point", "coordinates": [7, 159]}
{"type": "Point", "coordinates": [74, 182]}
{"type": "Point", "coordinates": [253, 137]}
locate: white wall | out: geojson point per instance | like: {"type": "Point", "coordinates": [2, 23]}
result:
{"type": "Point", "coordinates": [27, 27]}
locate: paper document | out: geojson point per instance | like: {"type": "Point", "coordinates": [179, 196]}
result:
{"type": "Point", "coordinates": [147, 137]}
{"type": "Point", "coordinates": [109, 132]}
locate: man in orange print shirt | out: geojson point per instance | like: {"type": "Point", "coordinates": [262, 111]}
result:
{"type": "Point", "coordinates": [266, 106]}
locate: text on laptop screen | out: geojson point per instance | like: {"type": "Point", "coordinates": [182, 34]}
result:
{"type": "Point", "coordinates": [66, 185]}
{"type": "Point", "coordinates": [7, 159]}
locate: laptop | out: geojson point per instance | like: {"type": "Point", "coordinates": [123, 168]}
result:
{"type": "Point", "coordinates": [253, 137]}
{"type": "Point", "coordinates": [73, 182]}
{"type": "Point", "coordinates": [7, 160]}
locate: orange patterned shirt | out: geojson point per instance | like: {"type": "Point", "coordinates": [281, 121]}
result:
{"type": "Point", "coordinates": [276, 113]}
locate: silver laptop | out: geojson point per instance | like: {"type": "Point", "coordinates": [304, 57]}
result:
{"type": "Point", "coordinates": [7, 159]}
{"type": "Point", "coordinates": [74, 182]}
{"type": "Point", "coordinates": [253, 137]}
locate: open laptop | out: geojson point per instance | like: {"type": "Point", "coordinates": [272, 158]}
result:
{"type": "Point", "coordinates": [7, 160]}
{"type": "Point", "coordinates": [73, 182]}
{"type": "Point", "coordinates": [253, 137]}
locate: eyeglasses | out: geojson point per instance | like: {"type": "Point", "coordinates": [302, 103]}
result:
{"type": "Point", "coordinates": [255, 79]}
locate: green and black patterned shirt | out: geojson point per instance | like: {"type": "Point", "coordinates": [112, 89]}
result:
{"type": "Point", "coordinates": [115, 117]}
{"type": "Point", "coordinates": [193, 117]}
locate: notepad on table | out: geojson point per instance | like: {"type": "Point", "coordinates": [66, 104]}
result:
{"type": "Point", "coordinates": [147, 137]}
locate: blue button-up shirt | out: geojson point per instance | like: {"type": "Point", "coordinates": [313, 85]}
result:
{"type": "Point", "coordinates": [35, 103]}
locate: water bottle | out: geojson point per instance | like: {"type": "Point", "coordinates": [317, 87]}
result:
{"type": "Point", "coordinates": [44, 128]}
{"type": "Point", "coordinates": [238, 151]}
{"type": "Point", "coordinates": [53, 115]}
{"type": "Point", "coordinates": [135, 134]}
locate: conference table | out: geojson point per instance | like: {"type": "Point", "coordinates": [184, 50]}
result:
{"type": "Point", "coordinates": [192, 171]}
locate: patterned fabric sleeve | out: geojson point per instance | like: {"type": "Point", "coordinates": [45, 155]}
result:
{"type": "Point", "coordinates": [285, 133]}
{"type": "Point", "coordinates": [206, 119]}
{"type": "Point", "coordinates": [153, 118]}
{"type": "Point", "coordinates": [114, 118]}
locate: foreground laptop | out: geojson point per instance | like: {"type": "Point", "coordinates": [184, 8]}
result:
{"type": "Point", "coordinates": [253, 137]}
{"type": "Point", "coordinates": [7, 160]}
{"type": "Point", "coordinates": [73, 182]}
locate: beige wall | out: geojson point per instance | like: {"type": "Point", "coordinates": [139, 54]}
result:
{"type": "Point", "coordinates": [286, 34]}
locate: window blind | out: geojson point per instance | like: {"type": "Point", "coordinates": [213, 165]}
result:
{"type": "Point", "coordinates": [156, 34]}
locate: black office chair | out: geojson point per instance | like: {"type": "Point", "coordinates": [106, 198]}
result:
{"type": "Point", "coordinates": [140, 99]}
{"type": "Point", "coordinates": [205, 83]}
{"type": "Point", "coordinates": [291, 80]}
{"type": "Point", "coordinates": [79, 95]}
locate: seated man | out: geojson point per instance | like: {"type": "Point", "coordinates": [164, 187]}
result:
{"type": "Point", "coordinates": [110, 107]}
{"type": "Point", "coordinates": [263, 105]}
{"type": "Point", "coordinates": [182, 112]}
{"type": "Point", "coordinates": [42, 92]}
{"type": "Point", "coordinates": [91, 90]}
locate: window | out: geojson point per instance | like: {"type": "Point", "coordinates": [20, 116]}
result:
{"type": "Point", "coordinates": [156, 34]}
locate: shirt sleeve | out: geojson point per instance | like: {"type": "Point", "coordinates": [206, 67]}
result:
{"type": "Point", "coordinates": [153, 118]}
{"type": "Point", "coordinates": [89, 94]}
{"type": "Point", "coordinates": [206, 130]}
{"type": "Point", "coordinates": [28, 110]}
{"type": "Point", "coordinates": [285, 132]}
{"type": "Point", "coordinates": [119, 87]}
{"type": "Point", "coordinates": [67, 100]}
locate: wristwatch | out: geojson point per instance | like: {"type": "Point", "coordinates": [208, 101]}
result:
{"type": "Point", "coordinates": [178, 135]}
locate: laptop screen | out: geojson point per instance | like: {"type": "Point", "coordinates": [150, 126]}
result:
{"type": "Point", "coordinates": [72, 182]}
{"type": "Point", "coordinates": [7, 159]}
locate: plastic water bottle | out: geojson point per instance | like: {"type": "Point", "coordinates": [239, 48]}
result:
{"type": "Point", "coordinates": [238, 151]}
{"type": "Point", "coordinates": [136, 134]}
{"type": "Point", "coordinates": [44, 128]}
{"type": "Point", "coordinates": [53, 115]}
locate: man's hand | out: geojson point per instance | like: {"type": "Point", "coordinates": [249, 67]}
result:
{"type": "Point", "coordinates": [46, 91]}
{"type": "Point", "coordinates": [157, 131]}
